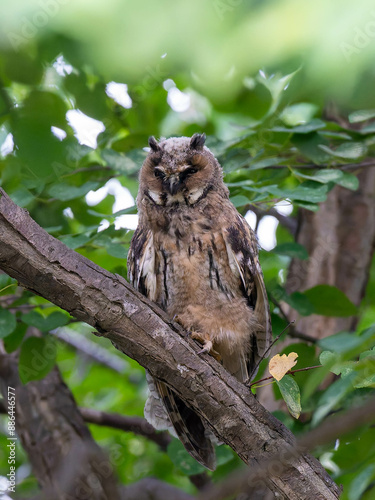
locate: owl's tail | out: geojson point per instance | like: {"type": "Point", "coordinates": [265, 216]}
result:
{"type": "Point", "coordinates": [188, 426]}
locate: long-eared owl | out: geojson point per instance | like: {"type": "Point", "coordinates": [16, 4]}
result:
{"type": "Point", "coordinates": [196, 257]}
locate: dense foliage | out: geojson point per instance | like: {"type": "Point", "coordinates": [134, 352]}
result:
{"type": "Point", "coordinates": [276, 143]}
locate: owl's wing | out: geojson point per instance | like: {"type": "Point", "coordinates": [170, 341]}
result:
{"type": "Point", "coordinates": [243, 259]}
{"type": "Point", "coordinates": [173, 413]}
{"type": "Point", "coordinates": [141, 263]}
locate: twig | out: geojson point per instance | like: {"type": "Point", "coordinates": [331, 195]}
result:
{"type": "Point", "coordinates": [292, 333]}
{"type": "Point", "coordinates": [265, 354]}
{"type": "Point", "coordinates": [295, 334]}
{"type": "Point", "coordinates": [290, 372]}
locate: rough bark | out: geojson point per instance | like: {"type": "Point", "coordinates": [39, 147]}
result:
{"type": "Point", "coordinates": [142, 331]}
{"type": "Point", "coordinates": [66, 461]}
{"type": "Point", "coordinates": [340, 240]}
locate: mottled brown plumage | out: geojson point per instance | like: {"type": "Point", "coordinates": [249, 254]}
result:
{"type": "Point", "coordinates": [195, 256]}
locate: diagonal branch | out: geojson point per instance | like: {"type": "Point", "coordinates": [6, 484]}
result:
{"type": "Point", "coordinates": [141, 330]}
{"type": "Point", "coordinates": [333, 428]}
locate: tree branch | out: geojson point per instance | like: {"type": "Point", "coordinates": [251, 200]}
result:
{"type": "Point", "coordinates": [137, 425]}
{"type": "Point", "coordinates": [91, 349]}
{"type": "Point", "coordinates": [329, 431]}
{"type": "Point", "coordinates": [289, 223]}
{"type": "Point", "coordinates": [143, 331]}
{"type": "Point", "coordinates": [369, 162]}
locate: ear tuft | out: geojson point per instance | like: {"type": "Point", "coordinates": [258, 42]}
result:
{"type": "Point", "coordinates": [197, 141]}
{"type": "Point", "coordinates": [152, 142]}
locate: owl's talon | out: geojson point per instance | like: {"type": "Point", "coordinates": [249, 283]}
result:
{"type": "Point", "coordinates": [207, 347]}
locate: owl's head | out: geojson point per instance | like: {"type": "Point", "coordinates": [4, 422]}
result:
{"type": "Point", "coordinates": [179, 170]}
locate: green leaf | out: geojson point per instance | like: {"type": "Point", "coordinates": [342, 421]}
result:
{"type": "Point", "coordinates": [308, 145]}
{"type": "Point", "coordinates": [76, 240]}
{"type": "Point", "coordinates": [14, 340]}
{"type": "Point", "coordinates": [117, 250]}
{"type": "Point", "coordinates": [239, 200]}
{"type": "Point", "coordinates": [8, 322]}
{"type": "Point", "coordinates": [276, 84]}
{"type": "Point", "coordinates": [349, 181]}
{"type": "Point", "coordinates": [265, 162]}
{"type": "Point", "coordinates": [369, 129]}
{"type": "Point", "coordinates": [300, 303]}
{"type": "Point", "coordinates": [224, 454]}
{"type": "Point", "coordinates": [181, 458]}
{"type": "Point", "coordinates": [235, 159]}
{"type": "Point", "coordinates": [315, 124]}
{"type": "Point", "coordinates": [119, 161]}
{"type": "Point", "coordinates": [22, 68]}
{"type": "Point", "coordinates": [347, 150]}
{"type": "Point", "coordinates": [333, 362]}
{"type": "Point", "coordinates": [331, 397]}
{"type": "Point", "coordinates": [37, 358]}
{"type": "Point", "coordinates": [54, 320]}
{"type": "Point", "coordinates": [291, 394]}
{"type": "Point", "coordinates": [294, 250]}
{"type": "Point", "coordinates": [361, 482]}
{"type": "Point", "coordinates": [365, 369]}
{"type": "Point", "coordinates": [361, 115]}
{"type": "Point", "coordinates": [130, 210]}
{"type": "Point", "coordinates": [330, 301]}
{"type": "Point", "coordinates": [345, 341]}
{"type": "Point", "coordinates": [65, 192]}
{"type": "Point", "coordinates": [297, 114]}
{"type": "Point", "coordinates": [309, 191]}
{"type": "Point", "coordinates": [22, 197]}
{"type": "Point", "coordinates": [309, 206]}
{"type": "Point", "coordinates": [322, 176]}
{"type": "Point", "coordinates": [6, 283]}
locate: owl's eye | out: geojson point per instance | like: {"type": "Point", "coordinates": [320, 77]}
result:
{"type": "Point", "coordinates": [187, 172]}
{"type": "Point", "coordinates": [159, 173]}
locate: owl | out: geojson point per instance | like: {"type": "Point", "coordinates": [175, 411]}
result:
{"type": "Point", "coordinates": [196, 257]}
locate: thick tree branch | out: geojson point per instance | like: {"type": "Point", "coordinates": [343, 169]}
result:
{"type": "Point", "coordinates": [143, 331]}
{"type": "Point", "coordinates": [329, 431]}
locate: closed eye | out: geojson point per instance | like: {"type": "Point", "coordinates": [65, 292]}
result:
{"type": "Point", "coordinates": [187, 172]}
{"type": "Point", "coordinates": [159, 173]}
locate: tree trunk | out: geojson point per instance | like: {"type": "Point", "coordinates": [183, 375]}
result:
{"type": "Point", "coordinates": [340, 240]}
{"type": "Point", "coordinates": [65, 459]}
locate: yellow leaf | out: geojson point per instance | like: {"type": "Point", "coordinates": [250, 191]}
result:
{"type": "Point", "coordinates": [280, 365]}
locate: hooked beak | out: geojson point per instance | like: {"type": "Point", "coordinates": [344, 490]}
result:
{"type": "Point", "coordinates": [174, 184]}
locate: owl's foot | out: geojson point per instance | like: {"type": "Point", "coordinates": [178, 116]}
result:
{"type": "Point", "coordinates": [207, 344]}
{"type": "Point", "coordinates": [207, 347]}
